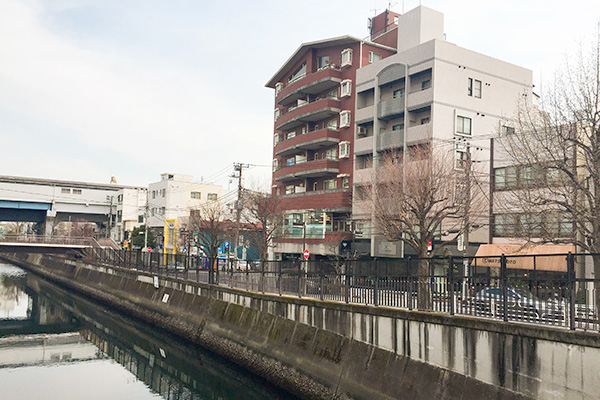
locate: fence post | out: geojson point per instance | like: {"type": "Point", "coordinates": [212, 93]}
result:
{"type": "Point", "coordinates": [410, 284]}
{"type": "Point", "coordinates": [571, 286]}
{"type": "Point", "coordinates": [299, 281]}
{"type": "Point", "coordinates": [321, 288]}
{"type": "Point", "coordinates": [347, 281]}
{"type": "Point", "coordinates": [376, 284]}
{"type": "Point", "coordinates": [503, 286]}
{"type": "Point", "coordinates": [262, 276]}
{"type": "Point", "coordinates": [450, 284]}
{"type": "Point", "coordinates": [279, 277]}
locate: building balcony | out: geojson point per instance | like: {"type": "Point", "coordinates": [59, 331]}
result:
{"type": "Point", "coordinates": [335, 200]}
{"type": "Point", "coordinates": [390, 140]}
{"type": "Point", "coordinates": [363, 145]}
{"type": "Point", "coordinates": [391, 108]}
{"type": "Point", "coordinates": [420, 98]}
{"type": "Point", "coordinates": [317, 82]}
{"type": "Point", "coordinates": [308, 169]}
{"type": "Point", "coordinates": [364, 114]}
{"type": "Point", "coordinates": [419, 133]}
{"type": "Point", "coordinates": [309, 141]}
{"type": "Point", "coordinates": [310, 112]}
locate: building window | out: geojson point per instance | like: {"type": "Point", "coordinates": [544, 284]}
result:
{"type": "Point", "coordinates": [344, 149]}
{"type": "Point", "coordinates": [346, 57]}
{"type": "Point", "coordinates": [323, 62]}
{"type": "Point", "coordinates": [289, 189]}
{"type": "Point", "coordinates": [463, 125]}
{"type": "Point", "coordinates": [374, 57]}
{"type": "Point", "coordinates": [78, 191]}
{"type": "Point", "coordinates": [499, 178]}
{"type": "Point", "coordinates": [140, 219]}
{"type": "Point", "coordinates": [196, 195]}
{"type": "Point", "coordinates": [212, 197]}
{"type": "Point", "coordinates": [331, 154]}
{"type": "Point", "coordinates": [163, 192]}
{"type": "Point", "coordinates": [290, 135]}
{"type": "Point", "coordinates": [299, 73]}
{"type": "Point", "coordinates": [424, 120]}
{"type": "Point", "coordinates": [365, 161]}
{"type": "Point", "coordinates": [346, 88]}
{"type": "Point", "coordinates": [290, 161]}
{"type": "Point", "coordinates": [65, 191]}
{"type": "Point", "coordinates": [511, 177]}
{"type": "Point", "coordinates": [329, 184]}
{"type": "Point", "coordinates": [398, 93]}
{"type": "Point", "coordinates": [315, 186]}
{"type": "Point", "coordinates": [154, 194]}
{"type": "Point", "coordinates": [507, 130]}
{"type": "Point", "coordinates": [277, 114]}
{"type": "Point", "coordinates": [345, 119]}
{"type": "Point", "coordinates": [346, 182]}
{"type": "Point", "coordinates": [278, 88]}
{"type": "Point", "coordinates": [474, 88]}
{"type": "Point", "coordinates": [460, 158]}
{"type": "Point", "coordinates": [276, 139]}
{"type": "Point", "coordinates": [119, 215]}
{"type": "Point", "coordinates": [332, 123]}
{"type": "Point", "coordinates": [426, 84]}
{"type": "Point", "coordinates": [162, 211]}
{"type": "Point", "coordinates": [275, 164]}
{"type": "Point", "coordinates": [398, 127]}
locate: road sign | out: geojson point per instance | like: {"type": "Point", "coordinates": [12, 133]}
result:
{"type": "Point", "coordinates": [460, 242]}
{"type": "Point", "coordinates": [306, 254]}
{"type": "Point", "coordinates": [149, 249]}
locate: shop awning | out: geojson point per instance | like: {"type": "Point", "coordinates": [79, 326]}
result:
{"type": "Point", "coordinates": [547, 257]}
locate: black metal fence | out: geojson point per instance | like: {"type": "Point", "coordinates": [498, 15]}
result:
{"type": "Point", "coordinates": [540, 289]}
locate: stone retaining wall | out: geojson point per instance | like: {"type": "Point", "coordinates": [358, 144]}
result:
{"type": "Point", "coordinates": [332, 350]}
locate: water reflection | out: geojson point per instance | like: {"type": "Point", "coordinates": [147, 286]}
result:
{"type": "Point", "coordinates": [14, 302]}
{"type": "Point", "coordinates": [103, 355]}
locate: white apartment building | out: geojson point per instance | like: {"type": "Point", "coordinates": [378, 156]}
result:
{"type": "Point", "coordinates": [130, 211]}
{"type": "Point", "coordinates": [431, 91]}
{"type": "Point", "coordinates": [175, 195]}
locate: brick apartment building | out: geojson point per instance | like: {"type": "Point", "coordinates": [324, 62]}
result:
{"type": "Point", "coordinates": [314, 137]}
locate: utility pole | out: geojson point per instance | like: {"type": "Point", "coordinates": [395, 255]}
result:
{"type": "Point", "coordinates": [238, 167]}
{"type": "Point", "coordinates": [109, 227]}
{"type": "Point", "coordinates": [146, 224]}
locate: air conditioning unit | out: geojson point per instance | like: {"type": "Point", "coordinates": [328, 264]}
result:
{"type": "Point", "coordinates": [361, 131]}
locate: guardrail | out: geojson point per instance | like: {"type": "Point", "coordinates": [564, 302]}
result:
{"type": "Point", "coordinates": [46, 239]}
{"type": "Point", "coordinates": [454, 285]}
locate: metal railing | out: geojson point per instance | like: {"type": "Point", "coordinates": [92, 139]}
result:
{"type": "Point", "coordinates": [454, 285]}
{"type": "Point", "coordinates": [45, 239]}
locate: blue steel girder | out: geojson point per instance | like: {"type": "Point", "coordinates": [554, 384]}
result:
{"type": "Point", "coordinates": [23, 211]}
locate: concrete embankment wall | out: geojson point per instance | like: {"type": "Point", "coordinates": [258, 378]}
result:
{"type": "Point", "coordinates": [325, 349]}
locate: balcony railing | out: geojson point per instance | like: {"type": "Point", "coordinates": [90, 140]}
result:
{"type": "Point", "coordinates": [307, 169]}
{"type": "Point", "coordinates": [308, 141]}
{"type": "Point", "coordinates": [309, 112]}
{"type": "Point", "coordinates": [313, 83]}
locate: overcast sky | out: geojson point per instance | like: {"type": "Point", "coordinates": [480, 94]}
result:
{"type": "Point", "coordinates": [91, 89]}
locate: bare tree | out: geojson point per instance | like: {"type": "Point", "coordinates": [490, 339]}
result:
{"type": "Point", "coordinates": [555, 156]}
{"type": "Point", "coordinates": [422, 199]}
{"type": "Point", "coordinates": [264, 216]}
{"type": "Point", "coordinates": [212, 227]}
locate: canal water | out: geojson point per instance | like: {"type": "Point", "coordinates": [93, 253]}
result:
{"type": "Point", "coordinates": [56, 345]}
